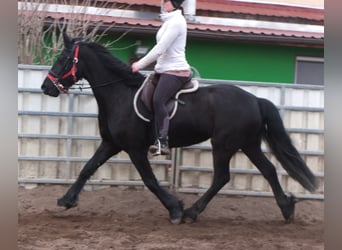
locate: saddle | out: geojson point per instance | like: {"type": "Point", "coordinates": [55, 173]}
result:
{"type": "Point", "coordinates": [142, 101]}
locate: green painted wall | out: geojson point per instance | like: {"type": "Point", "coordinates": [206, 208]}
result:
{"type": "Point", "coordinates": [232, 60]}
{"type": "Point", "coordinates": [246, 61]}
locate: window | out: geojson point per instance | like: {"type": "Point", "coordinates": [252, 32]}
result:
{"type": "Point", "coordinates": [309, 70]}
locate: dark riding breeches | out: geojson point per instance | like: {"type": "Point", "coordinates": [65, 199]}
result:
{"type": "Point", "coordinates": [166, 88]}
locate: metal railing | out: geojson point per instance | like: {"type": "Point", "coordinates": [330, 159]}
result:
{"type": "Point", "coordinates": [172, 166]}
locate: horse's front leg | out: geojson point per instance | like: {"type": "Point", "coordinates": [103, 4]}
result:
{"type": "Point", "coordinates": [102, 154]}
{"type": "Point", "coordinates": [170, 202]}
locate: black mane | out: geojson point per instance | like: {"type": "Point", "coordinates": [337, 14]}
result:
{"type": "Point", "coordinates": [114, 64]}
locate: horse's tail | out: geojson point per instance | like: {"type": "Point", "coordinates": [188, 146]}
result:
{"type": "Point", "coordinates": [281, 145]}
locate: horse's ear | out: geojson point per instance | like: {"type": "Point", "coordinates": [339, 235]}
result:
{"type": "Point", "coordinates": [67, 41]}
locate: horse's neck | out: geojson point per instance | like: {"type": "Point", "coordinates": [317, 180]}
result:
{"type": "Point", "coordinates": [103, 79]}
{"type": "Point", "coordinates": [111, 92]}
{"type": "Point", "coordinates": [114, 88]}
{"type": "Point", "coordinates": [108, 87]}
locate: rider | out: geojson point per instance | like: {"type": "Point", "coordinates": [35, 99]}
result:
{"type": "Point", "coordinates": [172, 70]}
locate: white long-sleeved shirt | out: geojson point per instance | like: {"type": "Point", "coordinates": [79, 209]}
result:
{"type": "Point", "coordinates": [169, 51]}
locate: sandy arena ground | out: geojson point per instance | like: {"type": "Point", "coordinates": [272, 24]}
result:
{"type": "Point", "coordinates": [128, 219]}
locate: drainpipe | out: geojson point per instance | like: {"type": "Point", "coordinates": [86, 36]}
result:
{"type": "Point", "coordinates": [189, 7]}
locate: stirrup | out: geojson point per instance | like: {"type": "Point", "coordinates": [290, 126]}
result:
{"type": "Point", "coordinates": [155, 149]}
{"type": "Point", "coordinates": [159, 148]}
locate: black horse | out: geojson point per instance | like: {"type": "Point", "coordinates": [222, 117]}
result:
{"type": "Point", "coordinates": [233, 118]}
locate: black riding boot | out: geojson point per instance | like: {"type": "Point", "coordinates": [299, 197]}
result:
{"type": "Point", "coordinates": [160, 147]}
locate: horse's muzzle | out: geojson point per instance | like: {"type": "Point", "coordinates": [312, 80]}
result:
{"type": "Point", "coordinates": [49, 88]}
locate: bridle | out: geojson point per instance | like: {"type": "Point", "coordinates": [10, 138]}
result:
{"type": "Point", "coordinates": [55, 79]}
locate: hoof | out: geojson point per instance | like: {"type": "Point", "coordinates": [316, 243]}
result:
{"type": "Point", "coordinates": [63, 202]}
{"type": "Point", "coordinates": [176, 221]}
{"type": "Point", "coordinates": [189, 216]}
{"type": "Point", "coordinates": [176, 215]}
{"type": "Point", "coordinates": [290, 219]}
{"type": "Point", "coordinates": [288, 210]}
{"type": "Point", "coordinates": [176, 218]}
{"type": "Point", "coordinates": [188, 220]}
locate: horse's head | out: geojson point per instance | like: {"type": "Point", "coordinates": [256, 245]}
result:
{"type": "Point", "coordinates": [62, 74]}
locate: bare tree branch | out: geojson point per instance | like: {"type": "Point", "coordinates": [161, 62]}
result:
{"type": "Point", "coordinates": [40, 39]}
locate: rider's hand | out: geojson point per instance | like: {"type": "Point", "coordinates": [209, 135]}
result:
{"type": "Point", "coordinates": [135, 67]}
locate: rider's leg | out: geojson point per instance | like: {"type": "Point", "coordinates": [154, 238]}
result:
{"type": "Point", "coordinates": [167, 87]}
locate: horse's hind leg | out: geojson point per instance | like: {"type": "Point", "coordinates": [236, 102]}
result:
{"type": "Point", "coordinates": [102, 154]}
{"type": "Point", "coordinates": [221, 177]}
{"type": "Point", "coordinates": [267, 169]}
{"type": "Point", "coordinates": [170, 202]}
